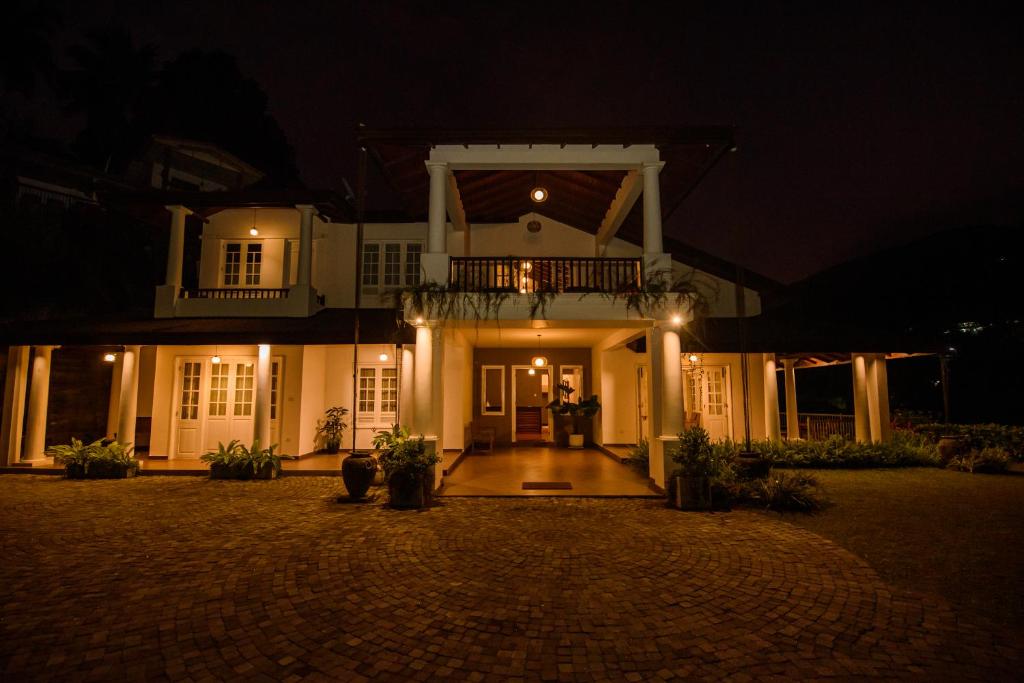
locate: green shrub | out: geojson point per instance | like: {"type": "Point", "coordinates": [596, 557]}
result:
{"type": "Point", "coordinates": [246, 462]}
{"type": "Point", "coordinates": [907, 449]}
{"type": "Point", "coordinates": [696, 456]}
{"type": "Point", "coordinates": [1010, 438]}
{"type": "Point", "coordinates": [788, 492]}
{"type": "Point", "coordinates": [639, 457]}
{"type": "Point", "coordinates": [102, 455]}
{"type": "Point", "coordinates": [401, 453]}
{"type": "Point", "coordinates": [987, 460]}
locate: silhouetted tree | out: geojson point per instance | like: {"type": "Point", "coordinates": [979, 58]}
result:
{"type": "Point", "coordinates": [26, 54]}
{"type": "Point", "coordinates": [110, 79]}
{"type": "Point", "coordinates": [203, 95]}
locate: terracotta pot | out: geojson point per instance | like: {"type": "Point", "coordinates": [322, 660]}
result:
{"type": "Point", "coordinates": [357, 472]}
{"type": "Point", "coordinates": [405, 491]}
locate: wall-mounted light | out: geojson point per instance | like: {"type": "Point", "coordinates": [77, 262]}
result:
{"type": "Point", "coordinates": [419, 320]}
{"type": "Point", "coordinates": [677, 319]}
{"type": "Point", "coordinates": [215, 360]}
{"type": "Point", "coordinates": [693, 358]}
{"type": "Point", "coordinates": [383, 357]}
{"type": "Point", "coordinates": [539, 195]}
{"type": "Point", "coordinates": [109, 357]}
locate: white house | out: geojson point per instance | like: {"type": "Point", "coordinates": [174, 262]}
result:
{"type": "Point", "coordinates": [568, 223]}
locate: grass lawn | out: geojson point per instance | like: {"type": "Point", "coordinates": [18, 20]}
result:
{"type": "Point", "coordinates": [956, 535]}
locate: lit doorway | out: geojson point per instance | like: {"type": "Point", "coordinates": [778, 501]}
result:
{"type": "Point", "coordinates": [531, 394]}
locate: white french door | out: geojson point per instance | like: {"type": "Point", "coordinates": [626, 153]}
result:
{"type": "Point", "coordinates": [216, 403]}
{"type": "Point", "coordinates": [706, 390]}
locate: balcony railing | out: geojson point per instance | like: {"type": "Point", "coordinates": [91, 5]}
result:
{"type": "Point", "coordinates": [235, 293]}
{"type": "Point", "coordinates": [820, 426]}
{"type": "Point", "coordinates": [529, 274]}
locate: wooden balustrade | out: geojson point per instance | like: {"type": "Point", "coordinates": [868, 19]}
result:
{"type": "Point", "coordinates": [235, 293]}
{"type": "Point", "coordinates": [529, 274]}
{"type": "Point", "coordinates": [820, 426]}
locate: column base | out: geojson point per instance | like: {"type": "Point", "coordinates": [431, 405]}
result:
{"type": "Point", "coordinates": [39, 462]}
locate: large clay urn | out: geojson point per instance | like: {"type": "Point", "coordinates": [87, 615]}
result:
{"type": "Point", "coordinates": [357, 472]}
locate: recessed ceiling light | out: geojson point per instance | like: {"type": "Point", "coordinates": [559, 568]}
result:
{"type": "Point", "coordinates": [538, 194]}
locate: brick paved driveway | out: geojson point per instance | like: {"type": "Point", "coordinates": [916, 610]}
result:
{"type": "Point", "coordinates": [184, 578]}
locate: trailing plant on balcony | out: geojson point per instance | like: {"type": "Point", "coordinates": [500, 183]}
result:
{"type": "Point", "coordinates": [331, 429]}
{"type": "Point", "coordinates": [102, 459]}
{"type": "Point", "coordinates": [660, 291]}
{"type": "Point", "coordinates": [235, 461]}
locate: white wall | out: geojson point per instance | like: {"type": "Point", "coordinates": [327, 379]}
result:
{"type": "Point", "coordinates": [513, 239]}
{"type": "Point", "coordinates": [619, 399]}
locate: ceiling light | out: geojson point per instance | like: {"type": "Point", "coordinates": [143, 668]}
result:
{"type": "Point", "coordinates": [383, 357]}
{"type": "Point", "coordinates": [677, 319]}
{"type": "Point", "coordinates": [539, 361]}
{"type": "Point", "coordinates": [253, 231]}
{"type": "Point", "coordinates": [215, 360]}
{"type": "Point", "coordinates": [419, 320]}
{"type": "Point", "coordinates": [539, 195]}
{"type": "Point", "coordinates": [693, 358]}
{"type": "Point", "coordinates": [109, 357]}
{"type": "Point", "coordinates": [531, 371]}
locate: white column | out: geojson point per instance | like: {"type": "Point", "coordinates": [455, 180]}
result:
{"type": "Point", "coordinates": [176, 244]}
{"type": "Point", "coordinates": [772, 426]}
{"type": "Point", "coordinates": [38, 399]}
{"type": "Point", "coordinates": [423, 380]}
{"type": "Point", "coordinates": [659, 466]}
{"type": "Point", "coordinates": [792, 411]}
{"type": "Point", "coordinates": [672, 419]}
{"type": "Point", "coordinates": [261, 407]}
{"type": "Point", "coordinates": [129, 395]}
{"type": "Point", "coordinates": [878, 399]}
{"type": "Point", "coordinates": [652, 208]}
{"type": "Point", "coordinates": [406, 387]}
{"type": "Point", "coordinates": [114, 403]}
{"type": "Point", "coordinates": [13, 414]}
{"type": "Point", "coordinates": [437, 400]}
{"type": "Point", "coordinates": [436, 233]}
{"type": "Point", "coordinates": [861, 419]}
{"type": "Point", "coordinates": [303, 277]}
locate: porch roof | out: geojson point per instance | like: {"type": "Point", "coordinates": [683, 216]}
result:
{"type": "Point", "coordinates": [329, 326]}
{"type": "Point", "coordinates": [579, 197]}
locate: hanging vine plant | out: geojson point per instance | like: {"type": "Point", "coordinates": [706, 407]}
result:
{"type": "Point", "coordinates": [659, 291]}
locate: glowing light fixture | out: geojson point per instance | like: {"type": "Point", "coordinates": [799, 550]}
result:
{"type": "Point", "coordinates": [693, 358]}
{"type": "Point", "coordinates": [531, 372]}
{"type": "Point", "coordinates": [216, 356]}
{"type": "Point", "coordinates": [383, 357]}
{"type": "Point", "coordinates": [419, 320]}
{"type": "Point", "coordinates": [109, 357]}
{"type": "Point", "coordinates": [253, 231]}
{"type": "Point", "coordinates": [539, 195]}
{"type": "Point", "coordinates": [538, 361]}
{"type": "Point", "coordinates": [677, 319]}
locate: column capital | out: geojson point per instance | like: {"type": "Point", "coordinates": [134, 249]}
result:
{"type": "Point", "coordinates": [653, 165]}
{"type": "Point", "coordinates": [789, 362]}
{"type": "Point", "coordinates": [305, 207]}
{"type": "Point", "coordinates": [179, 208]}
{"type": "Point", "coordinates": [433, 166]}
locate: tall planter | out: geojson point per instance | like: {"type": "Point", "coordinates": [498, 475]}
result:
{"type": "Point", "coordinates": [405, 490]}
{"type": "Point", "coordinates": [691, 493]}
{"type": "Point", "coordinates": [357, 472]}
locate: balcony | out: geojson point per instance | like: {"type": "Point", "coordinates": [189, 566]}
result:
{"type": "Point", "coordinates": [558, 275]}
{"type": "Point", "coordinates": [237, 302]}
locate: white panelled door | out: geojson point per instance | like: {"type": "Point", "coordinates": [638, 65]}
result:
{"type": "Point", "coordinates": [706, 390]}
{"type": "Point", "coordinates": [216, 403]}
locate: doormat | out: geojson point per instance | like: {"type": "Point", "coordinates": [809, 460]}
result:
{"type": "Point", "coordinates": [547, 485]}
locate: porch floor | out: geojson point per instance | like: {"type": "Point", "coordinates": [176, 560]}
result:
{"type": "Point", "coordinates": [503, 471]}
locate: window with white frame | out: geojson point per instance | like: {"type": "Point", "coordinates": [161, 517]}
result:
{"type": "Point", "coordinates": [275, 388]}
{"type": "Point", "coordinates": [377, 401]}
{"type": "Point", "coordinates": [218, 405]}
{"type": "Point", "coordinates": [233, 264]}
{"type": "Point", "coordinates": [492, 390]}
{"type": "Point", "coordinates": [390, 264]}
{"type": "Point", "coordinates": [245, 383]}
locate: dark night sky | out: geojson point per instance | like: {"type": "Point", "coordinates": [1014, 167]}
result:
{"type": "Point", "coordinates": [858, 128]}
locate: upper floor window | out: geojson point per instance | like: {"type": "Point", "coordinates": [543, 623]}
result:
{"type": "Point", "coordinates": [391, 264]}
{"type": "Point", "coordinates": [233, 264]}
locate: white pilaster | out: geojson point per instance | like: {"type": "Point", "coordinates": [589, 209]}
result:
{"type": "Point", "coordinates": [128, 403]}
{"type": "Point", "coordinates": [423, 379]}
{"type": "Point", "coordinates": [176, 244]}
{"type": "Point", "coordinates": [261, 400]}
{"type": "Point", "coordinates": [772, 426]}
{"type": "Point", "coordinates": [652, 208]}
{"type": "Point", "coordinates": [436, 233]}
{"type": "Point", "coordinates": [878, 399]}
{"type": "Point", "coordinates": [114, 404]}
{"type": "Point", "coordinates": [38, 400]}
{"type": "Point", "coordinates": [13, 414]}
{"type": "Point", "coordinates": [406, 386]}
{"type": "Point", "coordinates": [303, 276]}
{"type": "Point", "coordinates": [861, 418]}
{"type": "Point", "coordinates": [792, 411]}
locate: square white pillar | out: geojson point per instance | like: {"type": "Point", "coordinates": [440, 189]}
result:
{"type": "Point", "coordinates": [15, 386]}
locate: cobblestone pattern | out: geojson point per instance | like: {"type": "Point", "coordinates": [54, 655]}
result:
{"type": "Point", "coordinates": [187, 579]}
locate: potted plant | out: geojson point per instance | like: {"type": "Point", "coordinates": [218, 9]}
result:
{"type": "Point", "coordinates": [331, 429]}
{"type": "Point", "coordinates": [235, 461]}
{"type": "Point", "coordinates": [103, 459]}
{"type": "Point", "coordinates": [690, 486]}
{"type": "Point", "coordinates": [573, 413]}
{"type": "Point", "coordinates": [408, 468]}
